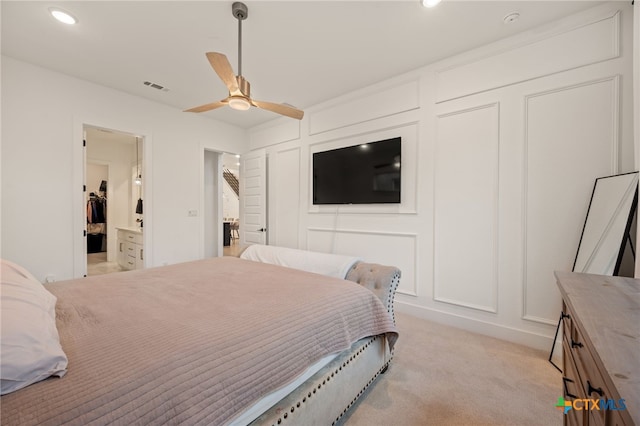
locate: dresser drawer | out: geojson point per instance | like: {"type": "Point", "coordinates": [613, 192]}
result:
{"type": "Point", "coordinates": [130, 262]}
{"type": "Point", "coordinates": [131, 237]}
{"type": "Point", "coordinates": [592, 381]}
{"type": "Point", "coordinates": [572, 388]}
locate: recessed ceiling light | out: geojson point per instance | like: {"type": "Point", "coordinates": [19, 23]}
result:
{"type": "Point", "coordinates": [63, 16]}
{"type": "Point", "coordinates": [430, 3]}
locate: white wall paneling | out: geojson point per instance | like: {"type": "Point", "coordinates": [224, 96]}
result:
{"type": "Point", "coordinates": [466, 208]}
{"type": "Point", "coordinates": [387, 248]}
{"type": "Point", "coordinates": [284, 204]}
{"type": "Point", "coordinates": [571, 138]}
{"type": "Point", "coordinates": [381, 103]}
{"type": "Point", "coordinates": [575, 45]}
{"type": "Point", "coordinates": [277, 131]}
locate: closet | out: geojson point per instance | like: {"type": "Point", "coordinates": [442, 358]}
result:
{"type": "Point", "coordinates": [97, 220]}
{"type": "Point", "coordinates": [96, 210]}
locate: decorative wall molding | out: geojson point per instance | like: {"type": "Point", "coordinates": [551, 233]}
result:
{"type": "Point", "coordinates": [390, 101]}
{"type": "Point", "coordinates": [533, 58]}
{"type": "Point", "coordinates": [519, 335]}
{"type": "Point", "coordinates": [598, 167]}
{"type": "Point", "coordinates": [278, 131]}
{"type": "Point", "coordinates": [379, 252]}
{"type": "Point", "coordinates": [473, 146]}
{"type": "Point", "coordinates": [285, 201]}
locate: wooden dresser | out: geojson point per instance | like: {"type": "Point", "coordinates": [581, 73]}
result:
{"type": "Point", "coordinates": [601, 348]}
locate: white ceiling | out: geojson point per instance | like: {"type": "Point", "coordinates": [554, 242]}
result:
{"type": "Point", "coordinates": [298, 52]}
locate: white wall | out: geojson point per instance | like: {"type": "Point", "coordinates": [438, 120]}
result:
{"type": "Point", "coordinates": [501, 146]}
{"type": "Point", "coordinates": [42, 117]}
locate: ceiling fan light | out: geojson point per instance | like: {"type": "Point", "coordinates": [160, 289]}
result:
{"type": "Point", "coordinates": [239, 103]}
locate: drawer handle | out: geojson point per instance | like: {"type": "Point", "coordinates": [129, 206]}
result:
{"type": "Point", "coordinates": [566, 391]}
{"type": "Point", "coordinates": [575, 344]}
{"type": "Point", "coordinates": [592, 389]}
{"type": "Point", "coordinates": [565, 316]}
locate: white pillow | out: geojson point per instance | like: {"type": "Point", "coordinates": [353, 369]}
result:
{"type": "Point", "coordinates": [333, 265]}
{"type": "Point", "coordinates": [30, 348]}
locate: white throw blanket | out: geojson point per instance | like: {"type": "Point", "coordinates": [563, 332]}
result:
{"type": "Point", "coordinates": [333, 265]}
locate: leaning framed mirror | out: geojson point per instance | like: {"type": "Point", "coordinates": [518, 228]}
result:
{"type": "Point", "coordinates": [606, 236]}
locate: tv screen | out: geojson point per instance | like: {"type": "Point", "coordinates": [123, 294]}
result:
{"type": "Point", "coordinates": [362, 174]}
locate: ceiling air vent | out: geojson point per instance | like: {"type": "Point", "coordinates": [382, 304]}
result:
{"type": "Point", "coordinates": [155, 86]}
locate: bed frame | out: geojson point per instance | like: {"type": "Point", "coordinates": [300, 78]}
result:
{"type": "Point", "coordinates": [327, 396]}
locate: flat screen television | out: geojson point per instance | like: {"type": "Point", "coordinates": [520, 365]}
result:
{"type": "Point", "coordinates": [362, 174]}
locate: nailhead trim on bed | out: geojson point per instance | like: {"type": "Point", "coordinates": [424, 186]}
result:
{"type": "Point", "coordinates": [383, 281]}
{"type": "Point", "coordinates": [373, 379]}
{"type": "Point", "coordinates": [344, 365]}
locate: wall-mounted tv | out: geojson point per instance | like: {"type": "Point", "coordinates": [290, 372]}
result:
{"type": "Point", "coordinates": [362, 174]}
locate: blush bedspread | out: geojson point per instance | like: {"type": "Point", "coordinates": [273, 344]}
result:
{"type": "Point", "coordinates": [192, 343]}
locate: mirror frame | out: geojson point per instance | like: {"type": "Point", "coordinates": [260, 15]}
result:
{"type": "Point", "coordinates": [596, 201]}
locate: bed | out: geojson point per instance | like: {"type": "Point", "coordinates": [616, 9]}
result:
{"type": "Point", "coordinates": [216, 341]}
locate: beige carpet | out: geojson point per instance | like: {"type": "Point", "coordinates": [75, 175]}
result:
{"type": "Point", "coordinates": [441, 375]}
{"type": "Point", "coordinates": [97, 264]}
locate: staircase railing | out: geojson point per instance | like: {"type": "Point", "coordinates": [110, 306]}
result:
{"type": "Point", "coordinates": [232, 180]}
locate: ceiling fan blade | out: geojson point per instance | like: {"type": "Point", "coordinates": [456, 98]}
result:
{"type": "Point", "coordinates": [207, 107]}
{"type": "Point", "coordinates": [280, 109]}
{"type": "Point", "coordinates": [222, 67]}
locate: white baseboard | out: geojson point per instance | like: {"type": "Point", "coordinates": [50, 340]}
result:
{"type": "Point", "coordinates": [522, 337]}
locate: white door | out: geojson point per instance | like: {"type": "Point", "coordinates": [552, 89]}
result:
{"type": "Point", "coordinates": [253, 196]}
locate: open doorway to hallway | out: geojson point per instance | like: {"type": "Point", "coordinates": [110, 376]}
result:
{"type": "Point", "coordinates": [222, 227]}
{"type": "Point", "coordinates": [231, 204]}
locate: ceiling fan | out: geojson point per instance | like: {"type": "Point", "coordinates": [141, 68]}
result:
{"type": "Point", "coordinates": [239, 89]}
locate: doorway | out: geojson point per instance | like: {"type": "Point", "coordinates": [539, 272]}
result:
{"type": "Point", "coordinates": [231, 204]}
{"type": "Point", "coordinates": [220, 207]}
{"type": "Point", "coordinates": [113, 160]}
{"type": "Point", "coordinates": [97, 178]}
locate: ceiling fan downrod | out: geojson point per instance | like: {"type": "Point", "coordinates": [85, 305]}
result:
{"type": "Point", "coordinates": [240, 11]}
